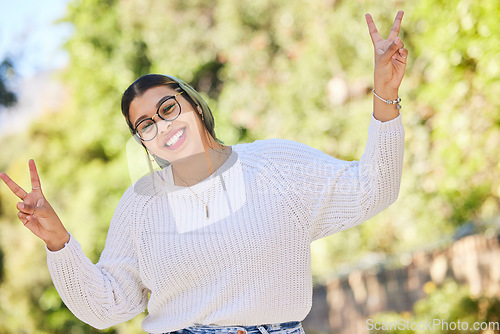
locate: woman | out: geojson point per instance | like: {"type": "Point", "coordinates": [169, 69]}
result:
{"type": "Point", "coordinates": [219, 240]}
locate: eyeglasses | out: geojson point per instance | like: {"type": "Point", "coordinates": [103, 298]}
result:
{"type": "Point", "coordinates": [169, 110]}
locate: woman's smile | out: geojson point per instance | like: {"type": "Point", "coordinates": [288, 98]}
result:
{"type": "Point", "coordinates": [175, 138]}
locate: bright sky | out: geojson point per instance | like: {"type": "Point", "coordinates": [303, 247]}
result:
{"type": "Point", "coordinates": [29, 36]}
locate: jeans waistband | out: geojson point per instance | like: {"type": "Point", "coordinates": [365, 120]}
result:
{"type": "Point", "coordinates": [266, 328]}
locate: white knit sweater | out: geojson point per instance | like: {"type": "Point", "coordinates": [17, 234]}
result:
{"type": "Point", "coordinates": [249, 263]}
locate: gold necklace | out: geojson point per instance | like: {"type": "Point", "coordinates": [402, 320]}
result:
{"type": "Point", "coordinates": [213, 182]}
{"type": "Point", "coordinates": [209, 194]}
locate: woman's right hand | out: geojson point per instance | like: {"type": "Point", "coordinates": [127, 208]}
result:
{"type": "Point", "coordinates": [36, 213]}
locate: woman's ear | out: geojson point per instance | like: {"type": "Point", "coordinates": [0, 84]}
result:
{"type": "Point", "coordinates": [198, 108]}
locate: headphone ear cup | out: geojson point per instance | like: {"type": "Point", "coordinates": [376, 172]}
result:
{"type": "Point", "coordinates": [137, 139]}
{"type": "Point", "coordinates": [161, 162]}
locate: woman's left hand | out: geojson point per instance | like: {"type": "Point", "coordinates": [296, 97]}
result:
{"type": "Point", "coordinates": [390, 56]}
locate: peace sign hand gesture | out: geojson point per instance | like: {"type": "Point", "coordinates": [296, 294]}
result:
{"type": "Point", "coordinates": [390, 56]}
{"type": "Point", "coordinates": [36, 213]}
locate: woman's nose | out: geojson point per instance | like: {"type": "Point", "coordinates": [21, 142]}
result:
{"type": "Point", "coordinates": [162, 125]}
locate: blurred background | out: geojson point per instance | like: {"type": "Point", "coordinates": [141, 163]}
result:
{"type": "Point", "coordinates": [300, 70]}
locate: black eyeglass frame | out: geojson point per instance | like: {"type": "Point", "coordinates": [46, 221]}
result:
{"type": "Point", "coordinates": [136, 133]}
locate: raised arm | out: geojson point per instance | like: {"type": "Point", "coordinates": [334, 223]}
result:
{"type": "Point", "coordinates": [102, 294]}
{"type": "Point", "coordinates": [390, 65]}
{"type": "Point", "coordinates": [333, 194]}
{"type": "Point", "coordinates": [36, 213]}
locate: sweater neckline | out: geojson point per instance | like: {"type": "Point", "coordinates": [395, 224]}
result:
{"type": "Point", "coordinates": [165, 176]}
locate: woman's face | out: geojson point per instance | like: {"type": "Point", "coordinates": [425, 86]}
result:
{"type": "Point", "coordinates": [181, 138]}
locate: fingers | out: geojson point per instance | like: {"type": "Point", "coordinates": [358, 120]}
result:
{"type": "Point", "coordinates": [401, 55]}
{"type": "Point", "coordinates": [28, 208]}
{"type": "Point", "coordinates": [28, 212]}
{"type": "Point", "coordinates": [24, 208]}
{"type": "Point", "coordinates": [17, 190]}
{"type": "Point", "coordinates": [25, 213]}
{"type": "Point", "coordinates": [23, 217]}
{"type": "Point", "coordinates": [375, 36]}
{"type": "Point", "coordinates": [392, 49]}
{"type": "Point", "coordinates": [396, 25]}
{"type": "Point", "coordinates": [40, 208]}
{"type": "Point", "coordinates": [35, 179]}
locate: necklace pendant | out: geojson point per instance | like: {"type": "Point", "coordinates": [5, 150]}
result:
{"type": "Point", "coordinates": [206, 210]}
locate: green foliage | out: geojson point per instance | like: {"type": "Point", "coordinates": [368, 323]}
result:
{"type": "Point", "coordinates": [1, 266]}
{"type": "Point", "coordinates": [268, 69]}
{"type": "Point", "coordinates": [459, 75]}
{"type": "Point", "coordinates": [7, 97]}
{"type": "Point", "coordinates": [442, 310]}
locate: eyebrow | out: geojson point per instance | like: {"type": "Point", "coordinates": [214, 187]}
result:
{"type": "Point", "coordinates": [163, 99]}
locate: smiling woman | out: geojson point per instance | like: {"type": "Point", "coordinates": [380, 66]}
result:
{"type": "Point", "coordinates": [219, 239]}
{"type": "Point", "coordinates": [183, 133]}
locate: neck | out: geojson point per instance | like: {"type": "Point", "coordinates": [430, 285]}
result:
{"type": "Point", "coordinates": [196, 168]}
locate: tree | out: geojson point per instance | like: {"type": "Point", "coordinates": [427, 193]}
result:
{"type": "Point", "coordinates": [268, 69]}
{"type": "Point", "coordinates": [7, 97]}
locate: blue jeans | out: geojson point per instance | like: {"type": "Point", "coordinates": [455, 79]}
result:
{"type": "Point", "coordinates": [294, 327]}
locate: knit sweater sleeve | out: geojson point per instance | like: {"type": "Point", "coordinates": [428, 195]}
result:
{"type": "Point", "coordinates": [110, 291]}
{"type": "Point", "coordinates": [332, 195]}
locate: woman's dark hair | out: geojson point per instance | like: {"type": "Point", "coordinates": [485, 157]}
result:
{"type": "Point", "coordinates": [141, 85]}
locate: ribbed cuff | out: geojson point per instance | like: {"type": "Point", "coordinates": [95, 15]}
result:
{"type": "Point", "coordinates": [388, 126]}
{"type": "Point", "coordinates": [378, 129]}
{"type": "Point", "coordinates": [63, 252]}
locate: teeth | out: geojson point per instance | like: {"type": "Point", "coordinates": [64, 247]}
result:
{"type": "Point", "coordinates": [175, 138]}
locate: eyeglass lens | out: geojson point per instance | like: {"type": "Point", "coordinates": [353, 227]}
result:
{"type": "Point", "coordinates": [168, 111]}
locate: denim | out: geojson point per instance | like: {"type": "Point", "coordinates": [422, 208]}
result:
{"type": "Point", "coordinates": [294, 327]}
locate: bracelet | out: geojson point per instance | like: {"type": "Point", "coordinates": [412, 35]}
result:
{"type": "Point", "coordinates": [396, 101]}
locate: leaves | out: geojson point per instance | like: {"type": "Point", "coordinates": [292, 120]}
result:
{"type": "Point", "coordinates": [7, 97]}
{"type": "Point", "coordinates": [286, 69]}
